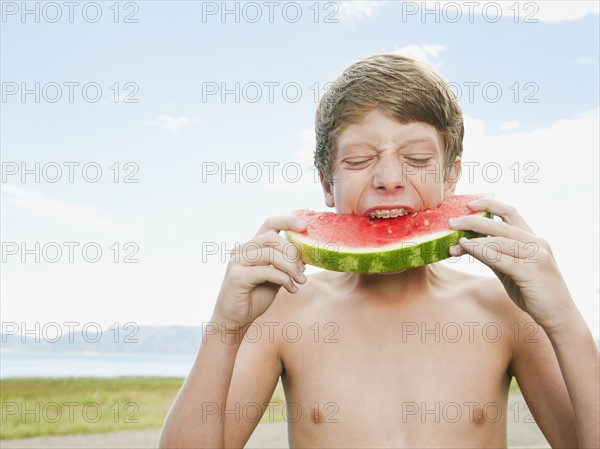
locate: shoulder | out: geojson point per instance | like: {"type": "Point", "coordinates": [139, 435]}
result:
{"type": "Point", "coordinates": [476, 286]}
{"type": "Point", "coordinates": [485, 293]}
{"type": "Point", "coordinates": [319, 289]}
{"type": "Point", "coordinates": [323, 297]}
{"type": "Point", "coordinates": [487, 300]}
{"type": "Point", "coordinates": [463, 279]}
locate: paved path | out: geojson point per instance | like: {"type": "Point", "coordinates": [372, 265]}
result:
{"type": "Point", "coordinates": [266, 436]}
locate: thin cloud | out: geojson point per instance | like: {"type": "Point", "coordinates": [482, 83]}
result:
{"type": "Point", "coordinates": [561, 11]}
{"type": "Point", "coordinates": [35, 203]}
{"type": "Point", "coordinates": [173, 124]}
{"type": "Point", "coordinates": [590, 113]}
{"type": "Point", "coordinates": [308, 142]}
{"type": "Point", "coordinates": [303, 175]}
{"type": "Point", "coordinates": [586, 61]}
{"type": "Point", "coordinates": [525, 12]}
{"type": "Point", "coordinates": [351, 11]}
{"type": "Point", "coordinates": [427, 52]}
{"type": "Point", "coordinates": [510, 125]}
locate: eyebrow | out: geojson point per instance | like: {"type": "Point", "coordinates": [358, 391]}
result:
{"type": "Point", "coordinates": [404, 144]}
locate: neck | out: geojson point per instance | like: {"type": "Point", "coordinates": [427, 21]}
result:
{"type": "Point", "coordinates": [413, 282]}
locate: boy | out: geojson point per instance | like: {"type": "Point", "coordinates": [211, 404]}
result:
{"type": "Point", "coordinates": [364, 364]}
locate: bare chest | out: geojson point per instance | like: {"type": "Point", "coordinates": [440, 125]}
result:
{"type": "Point", "coordinates": [403, 380]}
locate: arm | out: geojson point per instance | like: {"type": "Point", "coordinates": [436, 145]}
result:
{"type": "Point", "coordinates": [535, 366]}
{"type": "Point", "coordinates": [537, 287]}
{"type": "Point", "coordinates": [578, 359]}
{"type": "Point", "coordinates": [198, 418]}
{"type": "Point", "coordinates": [192, 421]}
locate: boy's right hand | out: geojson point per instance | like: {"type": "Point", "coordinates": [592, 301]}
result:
{"type": "Point", "coordinates": [256, 271]}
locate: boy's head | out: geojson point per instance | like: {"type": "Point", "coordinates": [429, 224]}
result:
{"type": "Point", "coordinates": [404, 89]}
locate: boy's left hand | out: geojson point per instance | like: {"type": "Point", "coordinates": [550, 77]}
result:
{"type": "Point", "coordinates": [522, 261]}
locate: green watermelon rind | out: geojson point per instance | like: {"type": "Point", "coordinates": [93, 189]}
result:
{"type": "Point", "coordinates": [403, 256]}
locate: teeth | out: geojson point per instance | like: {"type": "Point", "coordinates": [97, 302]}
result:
{"type": "Point", "coordinates": [388, 213]}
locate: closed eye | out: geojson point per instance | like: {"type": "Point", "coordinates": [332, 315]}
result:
{"type": "Point", "coordinates": [416, 161]}
{"type": "Point", "coordinates": [357, 162]}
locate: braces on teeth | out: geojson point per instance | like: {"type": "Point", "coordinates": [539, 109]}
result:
{"type": "Point", "coordinates": [386, 213]}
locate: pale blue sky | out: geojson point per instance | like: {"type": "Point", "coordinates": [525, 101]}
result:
{"type": "Point", "coordinates": [546, 114]}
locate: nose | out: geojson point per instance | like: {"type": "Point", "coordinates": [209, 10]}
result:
{"type": "Point", "coordinates": [389, 175]}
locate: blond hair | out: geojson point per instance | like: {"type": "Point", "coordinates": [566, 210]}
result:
{"type": "Point", "coordinates": [405, 89]}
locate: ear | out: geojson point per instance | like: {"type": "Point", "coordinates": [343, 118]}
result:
{"type": "Point", "coordinates": [452, 178]}
{"type": "Point", "coordinates": [327, 190]}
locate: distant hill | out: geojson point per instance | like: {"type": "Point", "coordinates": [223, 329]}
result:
{"type": "Point", "coordinates": [138, 339]}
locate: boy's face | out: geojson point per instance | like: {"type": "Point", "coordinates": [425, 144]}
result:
{"type": "Point", "coordinates": [386, 168]}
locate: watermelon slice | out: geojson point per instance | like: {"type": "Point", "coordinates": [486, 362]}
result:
{"type": "Point", "coordinates": [351, 243]}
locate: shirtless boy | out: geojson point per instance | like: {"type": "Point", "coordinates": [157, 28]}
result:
{"type": "Point", "coordinates": [419, 358]}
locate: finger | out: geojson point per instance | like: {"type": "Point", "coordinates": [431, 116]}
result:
{"type": "Point", "coordinates": [456, 251]}
{"type": "Point", "coordinates": [508, 213]}
{"type": "Point", "coordinates": [264, 256]}
{"type": "Point", "coordinates": [486, 226]}
{"type": "Point", "coordinates": [281, 223]}
{"type": "Point", "coordinates": [267, 273]}
{"type": "Point", "coordinates": [271, 241]}
{"type": "Point", "coordinates": [505, 255]}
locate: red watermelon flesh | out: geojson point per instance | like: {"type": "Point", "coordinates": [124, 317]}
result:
{"type": "Point", "coordinates": [348, 242]}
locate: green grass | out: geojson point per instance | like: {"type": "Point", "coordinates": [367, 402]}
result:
{"type": "Point", "coordinates": [40, 406]}
{"type": "Point", "coordinates": [514, 387]}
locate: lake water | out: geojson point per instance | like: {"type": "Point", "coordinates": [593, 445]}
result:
{"type": "Point", "coordinates": [93, 365]}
